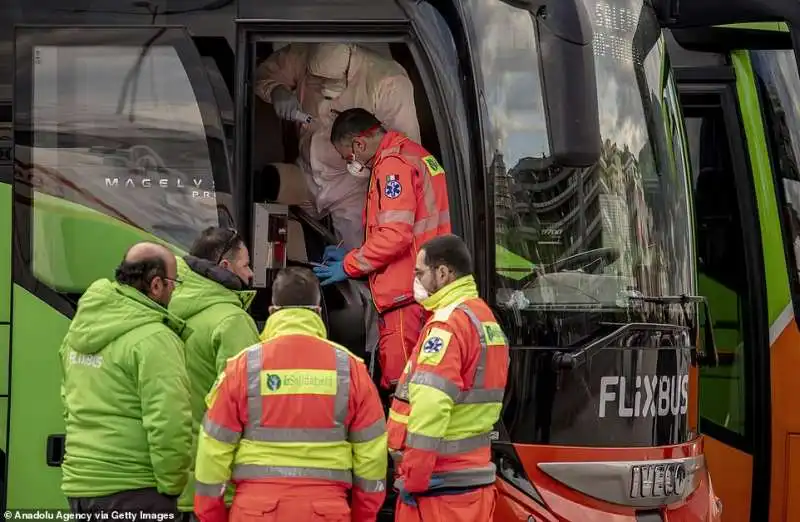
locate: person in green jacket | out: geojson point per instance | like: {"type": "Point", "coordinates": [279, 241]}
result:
{"type": "Point", "coordinates": [126, 392]}
{"type": "Point", "coordinates": [213, 300]}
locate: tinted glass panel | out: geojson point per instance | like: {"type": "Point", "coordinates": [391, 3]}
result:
{"type": "Point", "coordinates": [779, 83]}
{"type": "Point", "coordinates": [721, 264]}
{"type": "Point", "coordinates": [583, 253]}
{"type": "Point", "coordinates": [118, 152]}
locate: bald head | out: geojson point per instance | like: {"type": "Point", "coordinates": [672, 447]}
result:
{"type": "Point", "coordinates": [145, 250]}
{"type": "Point", "coordinates": [150, 268]}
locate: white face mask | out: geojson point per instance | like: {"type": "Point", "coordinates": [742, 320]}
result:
{"type": "Point", "coordinates": [358, 169]}
{"type": "Point", "coordinates": [420, 294]}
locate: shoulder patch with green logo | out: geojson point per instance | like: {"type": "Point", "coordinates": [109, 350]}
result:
{"type": "Point", "coordinates": [433, 165]}
{"type": "Point", "coordinates": [494, 334]}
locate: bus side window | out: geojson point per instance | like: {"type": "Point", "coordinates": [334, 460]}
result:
{"type": "Point", "coordinates": [721, 265]}
{"type": "Point", "coordinates": [777, 75]}
{"type": "Point", "coordinates": [124, 146]}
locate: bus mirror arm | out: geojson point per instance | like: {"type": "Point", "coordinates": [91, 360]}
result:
{"type": "Point", "coordinates": [709, 356]}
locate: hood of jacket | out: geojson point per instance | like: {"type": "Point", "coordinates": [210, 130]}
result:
{"type": "Point", "coordinates": [206, 284]}
{"type": "Point", "coordinates": [108, 310]}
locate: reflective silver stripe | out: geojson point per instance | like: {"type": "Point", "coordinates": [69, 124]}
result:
{"type": "Point", "coordinates": [256, 471]}
{"type": "Point", "coordinates": [481, 396]}
{"type": "Point", "coordinates": [450, 447]}
{"type": "Point", "coordinates": [431, 223]}
{"type": "Point", "coordinates": [397, 456]}
{"type": "Point", "coordinates": [401, 392]}
{"type": "Point", "coordinates": [362, 262]}
{"type": "Point", "coordinates": [428, 194]}
{"type": "Point", "coordinates": [480, 371]}
{"type": "Point", "coordinates": [369, 486]}
{"type": "Point", "coordinates": [396, 216]}
{"type": "Point", "coordinates": [376, 429]}
{"type": "Point", "coordinates": [436, 381]}
{"type": "Point", "coordinates": [341, 403]}
{"type": "Point", "coordinates": [262, 434]}
{"type": "Point", "coordinates": [447, 447]}
{"type": "Point", "coordinates": [220, 432]}
{"type": "Point", "coordinates": [254, 386]}
{"type": "Point", "coordinates": [467, 477]}
{"type": "Point", "coordinates": [423, 442]}
{"type": "Point", "coordinates": [209, 490]}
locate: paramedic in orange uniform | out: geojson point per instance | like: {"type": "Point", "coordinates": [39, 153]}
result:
{"type": "Point", "coordinates": [449, 396]}
{"type": "Point", "coordinates": [295, 422]}
{"type": "Point", "coordinates": [406, 206]}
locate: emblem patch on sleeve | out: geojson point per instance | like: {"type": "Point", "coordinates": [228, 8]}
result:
{"type": "Point", "coordinates": [393, 188]}
{"type": "Point", "coordinates": [433, 347]}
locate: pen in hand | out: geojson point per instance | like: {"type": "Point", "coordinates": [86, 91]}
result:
{"type": "Point", "coordinates": [324, 261]}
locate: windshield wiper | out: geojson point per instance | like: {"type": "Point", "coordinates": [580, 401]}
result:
{"type": "Point", "coordinates": [708, 357]}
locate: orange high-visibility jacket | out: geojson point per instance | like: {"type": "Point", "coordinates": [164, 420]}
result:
{"type": "Point", "coordinates": [406, 206]}
{"type": "Point", "coordinates": [450, 394]}
{"type": "Point", "coordinates": [296, 387]}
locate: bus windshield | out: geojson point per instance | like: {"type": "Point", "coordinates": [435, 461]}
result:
{"type": "Point", "coordinates": [577, 239]}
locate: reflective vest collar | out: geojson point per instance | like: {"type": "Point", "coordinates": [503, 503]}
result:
{"type": "Point", "coordinates": [293, 321]}
{"type": "Point", "coordinates": [456, 292]}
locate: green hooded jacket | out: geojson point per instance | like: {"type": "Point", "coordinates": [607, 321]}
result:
{"type": "Point", "coordinates": [214, 305]}
{"type": "Point", "coordinates": [126, 395]}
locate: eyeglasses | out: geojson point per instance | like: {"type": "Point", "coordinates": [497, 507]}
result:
{"type": "Point", "coordinates": [176, 282]}
{"type": "Point", "coordinates": [229, 244]}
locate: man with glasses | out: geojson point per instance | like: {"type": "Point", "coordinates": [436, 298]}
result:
{"type": "Point", "coordinates": [407, 204]}
{"type": "Point", "coordinates": [320, 81]}
{"type": "Point", "coordinates": [126, 391]}
{"type": "Point", "coordinates": [213, 300]}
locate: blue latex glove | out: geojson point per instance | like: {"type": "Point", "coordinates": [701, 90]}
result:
{"type": "Point", "coordinates": [333, 253]}
{"type": "Point", "coordinates": [406, 498]}
{"type": "Point", "coordinates": [332, 273]}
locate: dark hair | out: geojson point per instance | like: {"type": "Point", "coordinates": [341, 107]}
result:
{"type": "Point", "coordinates": [351, 123]}
{"type": "Point", "coordinates": [216, 243]}
{"type": "Point", "coordinates": [295, 286]}
{"type": "Point", "coordinates": [451, 251]}
{"type": "Point", "coordinates": [139, 274]}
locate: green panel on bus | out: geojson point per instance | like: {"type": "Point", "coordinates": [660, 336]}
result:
{"type": "Point", "coordinates": [36, 410]}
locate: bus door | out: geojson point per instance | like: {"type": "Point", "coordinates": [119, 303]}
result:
{"type": "Point", "coordinates": [118, 138]}
{"type": "Point", "coordinates": [744, 134]}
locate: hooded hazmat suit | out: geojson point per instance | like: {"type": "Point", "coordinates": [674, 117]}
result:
{"type": "Point", "coordinates": [352, 77]}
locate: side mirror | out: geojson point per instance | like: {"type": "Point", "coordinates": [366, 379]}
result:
{"type": "Point", "coordinates": [564, 34]}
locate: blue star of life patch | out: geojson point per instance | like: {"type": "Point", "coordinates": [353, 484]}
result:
{"type": "Point", "coordinates": [433, 345]}
{"type": "Point", "coordinates": [393, 188]}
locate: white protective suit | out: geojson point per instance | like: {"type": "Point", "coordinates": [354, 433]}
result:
{"type": "Point", "coordinates": [374, 83]}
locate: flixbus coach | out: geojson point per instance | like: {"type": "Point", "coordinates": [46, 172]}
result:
{"type": "Point", "coordinates": [558, 124]}
{"type": "Point", "coordinates": [739, 88]}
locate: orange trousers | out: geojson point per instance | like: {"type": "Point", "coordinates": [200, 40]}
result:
{"type": "Point", "coordinates": [398, 332]}
{"type": "Point", "coordinates": [279, 504]}
{"type": "Point", "coordinates": [473, 506]}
